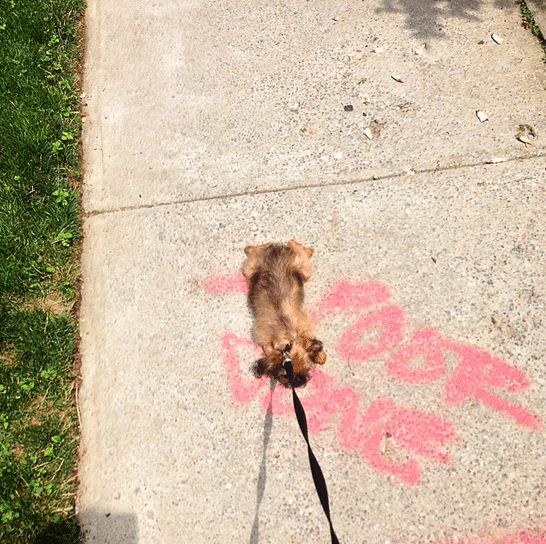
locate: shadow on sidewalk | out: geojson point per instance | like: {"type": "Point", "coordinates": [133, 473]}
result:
{"type": "Point", "coordinates": [425, 18]}
{"type": "Point", "coordinates": [106, 528]}
{"type": "Point", "coordinates": [262, 476]}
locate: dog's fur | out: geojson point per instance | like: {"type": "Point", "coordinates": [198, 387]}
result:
{"type": "Point", "coordinates": [275, 274]}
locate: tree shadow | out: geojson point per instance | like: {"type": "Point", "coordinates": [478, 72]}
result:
{"type": "Point", "coordinates": [425, 17]}
{"type": "Point", "coordinates": [107, 528]}
{"type": "Point", "coordinates": [66, 531]}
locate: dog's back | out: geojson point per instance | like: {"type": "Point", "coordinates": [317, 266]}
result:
{"type": "Point", "coordinates": [276, 284]}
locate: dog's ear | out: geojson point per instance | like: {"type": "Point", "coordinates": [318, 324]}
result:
{"type": "Point", "coordinates": [302, 258]}
{"type": "Point", "coordinates": [255, 256]}
{"type": "Point", "coordinates": [298, 248]}
{"type": "Point", "coordinates": [252, 250]}
{"type": "Point", "coordinates": [249, 250]}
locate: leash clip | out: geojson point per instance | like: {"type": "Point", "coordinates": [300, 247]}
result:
{"type": "Point", "coordinates": [287, 362]}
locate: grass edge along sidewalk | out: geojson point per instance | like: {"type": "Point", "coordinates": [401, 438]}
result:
{"type": "Point", "coordinates": [40, 178]}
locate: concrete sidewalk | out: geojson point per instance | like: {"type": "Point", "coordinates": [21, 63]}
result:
{"type": "Point", "coordinates": [351, 127]}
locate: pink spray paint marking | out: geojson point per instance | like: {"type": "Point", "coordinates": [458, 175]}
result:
{"type": "Point", "coordinates": [425, 343]}
{"type": "Point", "coordinates": [230, 283]}
{"type": "Point", "coordinates": [521, 537]}
{"type": "Point", "coordinates": [477, 375]}
{"type": "Point", "coordinates": [390, 319]}
{"type": "Point", "coordinates": [243, 391]}
{"type": "Point", "coordinates": [415, 431]}
{"type": "Point", "coordinates": [412, 430]}
{"type": "Point", "coordinates": [517, 538]}
{"type": "Point", "coordinates": [325, 401]}
{"type": "Point", "coordinates": [352, 297]}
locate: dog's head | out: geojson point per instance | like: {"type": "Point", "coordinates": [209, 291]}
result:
{"type": "Point", "coordinates": [304, 353]}
{"type": "Point", "coordinates": [297, 256]}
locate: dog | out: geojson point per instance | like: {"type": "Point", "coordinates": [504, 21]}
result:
{"type": "Point", "coordinates": [275, 274]}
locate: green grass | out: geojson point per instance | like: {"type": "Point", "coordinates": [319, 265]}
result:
{"type": "Point", "coordinates": [39, 237]}
{"type": "Point", "coordinates": [528, 21]}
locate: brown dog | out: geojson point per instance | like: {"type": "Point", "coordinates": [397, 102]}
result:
{"type": "Point", "coordinates": [275, 274]}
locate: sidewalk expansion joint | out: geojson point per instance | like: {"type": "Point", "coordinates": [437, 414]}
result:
{"type": "Point", "coordinates": [258, 192]}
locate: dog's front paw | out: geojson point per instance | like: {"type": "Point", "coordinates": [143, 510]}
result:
{"type": "Point", "coordinates": [316, 352]}
{"type": "Point", "coordinates": [320, 358]}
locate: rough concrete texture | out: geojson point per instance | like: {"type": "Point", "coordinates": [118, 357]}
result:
{"type": "Point", "coordinates": [211, 125]}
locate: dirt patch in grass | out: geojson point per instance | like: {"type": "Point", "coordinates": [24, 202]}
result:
{"type": "Point", "coordinates": [54, 302]}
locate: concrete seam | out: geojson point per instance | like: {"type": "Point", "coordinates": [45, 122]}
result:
{"type": "Point", "coordinates": [345, 183]}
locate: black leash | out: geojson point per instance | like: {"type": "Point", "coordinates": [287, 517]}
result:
{"type": "Point", "coordinates": [318, 477]}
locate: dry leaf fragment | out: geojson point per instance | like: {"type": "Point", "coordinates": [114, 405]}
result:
{"type": "Point", "coordinates": [526, 134]}
{"type": "Point", "coordinates": [482, 116]}
{"type": "Point", "coordinates": [496, 160]}
{"type": "Point", "coordinates": [373, 130]}
{"type": "Point", "coordinates": [524, 139]}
